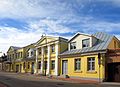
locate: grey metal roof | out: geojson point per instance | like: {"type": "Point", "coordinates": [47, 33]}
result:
{"type": "Point", "coordinates": [15, 48]}
{"type": "Point", "coordinates": [103, 41]}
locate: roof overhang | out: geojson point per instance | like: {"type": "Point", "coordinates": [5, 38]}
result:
{"type": "Point", "coordinates": [83, 54]}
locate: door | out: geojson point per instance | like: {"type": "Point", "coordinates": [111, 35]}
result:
{"type": "Point", "coordinates": [17, 68]}
{"type": "Point", "coordinates": [20, 67]}
{"type": "Point", "coordinates": [114, 72]}
{"type": "Point", "coordinates": [32, 68]}
{"type": "Point", "coordinates": [64, 67]}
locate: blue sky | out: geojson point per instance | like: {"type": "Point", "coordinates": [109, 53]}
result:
{"type": "Point", "coordinates": [23, 22]}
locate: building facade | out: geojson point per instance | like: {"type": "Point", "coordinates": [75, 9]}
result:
{"type": "Point", "coordinates": [86, 55]}
{"type": "Point", "coordinates": [47, 51]}
{"type": "Point", "coordinates": [38, 58]}
{"type": "Point", "coordinates": [83, 56]}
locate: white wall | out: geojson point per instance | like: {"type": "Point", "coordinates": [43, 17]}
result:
{"type": "Point", "coordinates": [79, 39]}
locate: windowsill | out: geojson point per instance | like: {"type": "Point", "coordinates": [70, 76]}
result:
{"type": "Point", "coordinates": [78, 71]}
{"type": "Point", "coordinates": [52, 52]}
{"type": "Point", "coordinates": [52, 70]}
{"type": "Point", "coordinates": [92, 72]}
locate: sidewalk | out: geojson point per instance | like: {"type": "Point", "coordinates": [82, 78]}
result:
{"type": "Point", "coordinates": [2, 85]}
{"type": "Point", "coordinates": [111, 83]}
{"type": "Point", "coordinates": [73, 80]}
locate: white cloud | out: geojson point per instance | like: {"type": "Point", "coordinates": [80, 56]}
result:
{"type": "Point", "coordinates": [46, 16]}
{"type": "Point", "coordinates": [49, 26]}
{"type": "Point", "coordinates": [10, 36]}
{"type": "Point", "coordinates": [32, 8]}
{"type": "Point", "coordinates": [98, 26]}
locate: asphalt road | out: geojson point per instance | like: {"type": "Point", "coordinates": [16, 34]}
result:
{"type": "Point", "coordinates": [22, 80]}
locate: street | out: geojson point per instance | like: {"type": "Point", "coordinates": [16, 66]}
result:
{"type": "Point", "coordinates": [26, 80]}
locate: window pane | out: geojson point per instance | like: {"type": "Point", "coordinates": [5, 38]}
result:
{"type": "Point", "coordinates": [39, 65]}
{"type": "Point", "coordinates": [91, 64]}
{"type": "Point", "coordinates": [85, 43]}
{"type": "Point", "coordinates": [53, 65]}
{"type": "Point", "coordinates": [45, 64]}
{"type": "Point", "coordinates": [28, 65]}
{"type": "Point", "coordinates": [53, 48]}
{"type": "Point", "coordinates": [73, 45]}
{"type": "Point", "coordinates": [77, 64]}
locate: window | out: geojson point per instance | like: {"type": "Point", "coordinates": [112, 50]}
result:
{"type": "Point", "coordinates": [39, 65]}
{"type": "Point", "coordinates": [10, 58]}
{"type": "Point", "coordinates": [46, 50]}
{"type": "Point", "coordinates": [24, 65]}
{"type": "Point", "coordinates": [28, 65]}
{"type": "Point", "coordinates": [73, 45]}
{"type": "Point", "coordinates": [16, 55]}
{"type": "Point", "coordinates": [115, 44]}
{"type": "Point", "coordinates": [32, 53]}
{"type": "Point", "coordinates": [21, 54]}
{"type": "Point", "coordinates": [91, 64]}
{"type": "Point", "coordinates": [53, 48]}
{"type": "Point", "coordinates": [13, 56]}
{"type": "Point", "coordinates": [85, 43]}
{"type": "Point", "coordinates": [53, 65]}
{"type": "Point", "coordinates": [77, 64]}
{"type": "Point", "coordinates": [12, 66]}
{"type": "Point", "coordinates": [45, 64]}
{"type": "Point", "coordinates": [39, 51]}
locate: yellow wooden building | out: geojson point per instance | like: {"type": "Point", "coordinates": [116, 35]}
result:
{"type": "Point", "coordinates": [86, 55]}
{"type": "Point", "coordinates": [47, 50]}
{"type": "Point", "coordinates": [37, 58]}
{"type": "Point", "coordinates": [13, 54]}
{"type": "Point", "coordinates": [83, 56]}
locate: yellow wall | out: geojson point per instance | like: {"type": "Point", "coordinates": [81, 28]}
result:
{"type": "Point", "coordinates": [83, 72]}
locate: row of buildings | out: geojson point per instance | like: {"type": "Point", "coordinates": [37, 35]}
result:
{"type": "Point", "coordinates": [83, 56]}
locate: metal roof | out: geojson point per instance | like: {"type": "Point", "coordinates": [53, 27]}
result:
{"type": "Point", "coordinates": [15, 48]}
{"type": "Point", "coordinates": [103, 41]}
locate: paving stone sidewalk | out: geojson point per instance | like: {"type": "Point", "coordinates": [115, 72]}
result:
{"type": "Point", "coordinates": [2, 85]}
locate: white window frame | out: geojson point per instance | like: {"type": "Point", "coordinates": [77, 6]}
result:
{"type": "Point", "coordinates": [72, 47]}
{"type": "Point", "coordinates": [90, 63]}
{"type": "Point", "coordinates": [85, 40]}
{"type": "Point", "coordinates": [77, 64]}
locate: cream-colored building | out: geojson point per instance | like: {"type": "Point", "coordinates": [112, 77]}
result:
{"type": "Point", "coordinates": [47, 50]}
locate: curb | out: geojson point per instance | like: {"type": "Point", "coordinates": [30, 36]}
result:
{"type": "Point", "coordinates": [3, 84]}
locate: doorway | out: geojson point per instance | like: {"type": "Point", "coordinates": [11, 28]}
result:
{"type": "Point", "coordinates": [17, 68]}
{"type": "Point", "coordinates": [32, 68]}
{"type": "Point", "coordinates": [65, 67]}
{"type": "Point", "coordinates": [114, 72]}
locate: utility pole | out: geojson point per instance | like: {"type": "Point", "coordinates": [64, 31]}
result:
{"type": "Point", "coordinates": [99, 62]}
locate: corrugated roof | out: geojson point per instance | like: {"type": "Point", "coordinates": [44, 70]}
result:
{"type": "Point", "coordinates": [103, 41]}
{"type": "Point", "coordinates": [15, 48]}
